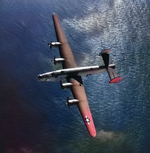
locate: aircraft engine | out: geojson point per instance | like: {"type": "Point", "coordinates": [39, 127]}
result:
{"type": "Point", "coordinates": [54, 44]}
{"type": "Point", "coordinates": [71, 102]}
{"type": "Point", "coordinates": [65, 85]}
{"type": "Point", "coordinates": [58, 60]}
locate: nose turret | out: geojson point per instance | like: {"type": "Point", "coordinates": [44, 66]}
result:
{"type": "Point", "coordinates": [45, 77]}
{"type": "Point", "coordinates": [40, 77]}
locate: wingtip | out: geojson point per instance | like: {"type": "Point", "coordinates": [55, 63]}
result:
{"type": "Point", "coordinates": [54, 14]}
{"type": "Point", "coordinates": [93, 134]}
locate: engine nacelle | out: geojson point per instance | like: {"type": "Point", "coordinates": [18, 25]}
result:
{"type": "Point", "coordinates": [71, 102]}
{"type": "Point", "coordinates": [54, 44]}
{"type": "Point", "coordinates": [65, 85]}
{"type": "Point", "coordinates": [58, 60]}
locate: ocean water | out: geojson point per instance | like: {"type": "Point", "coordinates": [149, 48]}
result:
{"type": "Point", "coordinates": [33, 115]}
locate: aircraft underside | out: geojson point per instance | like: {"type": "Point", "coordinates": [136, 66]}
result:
{"type": "Point", "coordinates": [72, 74]}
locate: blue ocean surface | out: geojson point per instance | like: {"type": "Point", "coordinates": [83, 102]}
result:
{"type": "Point", "coordinates": [33, 115]}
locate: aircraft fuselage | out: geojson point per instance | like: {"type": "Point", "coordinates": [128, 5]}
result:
{"type": "Point", "coordinates": [59, 75]}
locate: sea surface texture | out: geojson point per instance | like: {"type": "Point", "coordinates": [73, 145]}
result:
{"type": "Point", "coordinates": [33, 115]}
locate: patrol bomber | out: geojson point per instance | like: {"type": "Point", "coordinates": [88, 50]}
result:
{"type": "Point", "coordinates": [72, 74]}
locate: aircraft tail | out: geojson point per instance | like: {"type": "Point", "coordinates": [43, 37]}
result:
{"type": "Point", "coordinates": [111, 71]}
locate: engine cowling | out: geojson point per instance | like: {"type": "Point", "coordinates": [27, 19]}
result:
{"type": "Point", "coordinates": [58, 60]}
{"type": "Point", "coordinates": [66, 85]}
{"type": "Point", "coordinates": [71, 102]}
{"type": "Point", "coordinates": [54, 44]}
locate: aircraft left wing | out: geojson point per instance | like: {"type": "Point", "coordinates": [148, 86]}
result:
{"type": "Point", "coordinates": [78, 92]}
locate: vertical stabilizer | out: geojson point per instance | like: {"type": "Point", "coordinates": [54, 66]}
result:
{"type": "Point", "coordinates": [111, 71]}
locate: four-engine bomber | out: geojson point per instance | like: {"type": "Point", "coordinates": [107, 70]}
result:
{"type": "Point", "coordinates": [72, 74]}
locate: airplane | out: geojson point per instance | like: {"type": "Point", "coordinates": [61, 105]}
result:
{"type": "Point", "coordinates": [72, 75]}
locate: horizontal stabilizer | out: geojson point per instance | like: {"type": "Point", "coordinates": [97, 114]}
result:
{"type": "Point", "coordinates": [111, 71]}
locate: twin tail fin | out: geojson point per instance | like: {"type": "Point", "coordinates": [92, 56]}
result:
{"type": "Point", "coordinates": [111, 71]}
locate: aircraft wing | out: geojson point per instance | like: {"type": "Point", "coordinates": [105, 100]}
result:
{"type": "Point", "coordinates": [78, 92]}
{"type": "Point", "coordinates": [64, 48]}
{"type": "Point", "coordinates": [76, 84]}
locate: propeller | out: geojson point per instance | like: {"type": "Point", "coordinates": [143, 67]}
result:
{"type": "Point", "coordinates": [50, 45]}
